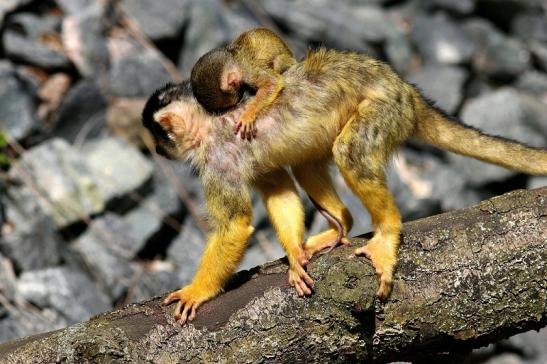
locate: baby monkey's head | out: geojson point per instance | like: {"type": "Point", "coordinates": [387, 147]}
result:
{"type": "Point", "coordinates": [175, 119]}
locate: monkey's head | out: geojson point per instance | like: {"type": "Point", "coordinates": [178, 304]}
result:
{"type": "Point", "coordinates": [216, 80]}
{"type": "Point", "coordinates": [175, 120]}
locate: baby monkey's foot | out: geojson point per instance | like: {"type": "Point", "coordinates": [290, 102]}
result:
{"type": "Point", "coordinates": [298, 277]}
{"type": "Point", "coordinates": [246, 127]}
{"type": "Point", "coordinates": [383, 259]}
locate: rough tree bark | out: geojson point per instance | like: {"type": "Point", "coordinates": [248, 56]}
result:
{"type": "Point", "coordinates": [465, 278]}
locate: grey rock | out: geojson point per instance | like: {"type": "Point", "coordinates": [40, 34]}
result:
{"type": "Point", "coordinates": [497, 55]}
{"type": "Point", "coordinates": [537, 182]}
{"type": "Point", "coordinates": [539, 51]}
{"type": "Point", "coordinates": [158, 279]}
{"type": "Point", "coordinates": [82, 112]}
{"type": "Point", "coordinates": [528, 27]}
{"type": "Point", "coordinates": [20, 323]}
{"type": "Point", "coordinates": [64, 187]}
{"type": "Point", "coordinates": [531, 344]}
{"type": "Point", "coordinates": [440, 40]}
{"type": "Point", "coordinates": [17, 103]}
{"type": "Point", "coordinates": [33, 243]}
{"type": "Point", "coordinates": [173, 15]}
{"type": "Point", "coordinates": [137, 74]}
{"type": "Point", "coordinates": [104, 253]}
{"type": "Point", "coordinates": [151, 213]}
{"type": "Point", "coordinates": [441, 84]}
{"type": "Point", "coordinates": [204, 32]}
{"type": "Point", "coordinates": [22, 49]}
{"type": "Point", "coordinates": [72, 7]}
{"type": "Point", "coordinates": [118, 167]}
{"type": "Point", "coordinates": [432, 178]}
{"type": "Point", "coordinates": [34, 26]}
{"type": "Point", "coordinates": [460, 7]}
{"type": "Point", "coordinates": [186, 250]}
{"type": "Point", "coordinates": [7, 279]}
{"type": "Point", "coordinates": [516, 115]}
{"type": "Point", "coordinates": [7, 6]}
{"type": "Point", "coordinates": [84, 38]}
{"type": "Point", "coordinates": [64, 289]}
{"type": "Point", "coordinates": [256, 255]}
{"type": "Point", "coordinates": [534, 82]}
{"type": "Point", "coordinates": [399, 52]}
{"type": "Point", "coordinates": [22, 41]}
{"type": "Point", "coordinates": [325, 21]}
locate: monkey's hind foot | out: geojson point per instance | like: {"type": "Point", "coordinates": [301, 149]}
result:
{"type": "Point", "coordinates": [189, 299]}
{"type": "Point", "coordinates": [300, 280]}
{"type": "Point", "coordinates": [328, 239]}
{"type": "Point", "coordinates": [383, 259]}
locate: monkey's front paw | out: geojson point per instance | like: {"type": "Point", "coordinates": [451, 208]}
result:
{"type": "Point", "coordinates": [300, 280]}
{"type": "Point", "coordinates": [383, 259]}
{"type": "Point", "coordinates": [189, 299]}
{"type": "Point", "coordinates": [246, 128]}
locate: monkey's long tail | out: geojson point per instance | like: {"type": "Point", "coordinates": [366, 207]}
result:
{"type": "Point", "coordinates": [439, 130]}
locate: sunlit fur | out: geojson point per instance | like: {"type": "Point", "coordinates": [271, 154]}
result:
{"type": "Point", "coordinates": [339, 106]}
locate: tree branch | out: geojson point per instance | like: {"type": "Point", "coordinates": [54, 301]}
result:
{"type": "Point", "coordinates": [465, 278]}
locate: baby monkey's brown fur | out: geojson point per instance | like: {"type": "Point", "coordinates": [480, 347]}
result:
{"type": "Point", "coordinates": [339, 106]}
{"type": "Point", "coordinates": [256, 58]}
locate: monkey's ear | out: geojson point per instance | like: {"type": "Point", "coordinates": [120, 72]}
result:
{"type": "Point", "coordinates": [166, 121]}
{"type": "Point", "coordinates": [230, 79]}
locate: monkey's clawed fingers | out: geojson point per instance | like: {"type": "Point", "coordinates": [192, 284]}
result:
{"type": "Point", "coordinates": [186, 306]}
{"type": "Point", "coordinates": [300, 280]}
{"type": "Point", "coordinates": [246, 130]}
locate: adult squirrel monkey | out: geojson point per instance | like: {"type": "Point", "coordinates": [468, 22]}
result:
{"type": "Point", "coordinates": [336, 106]}
{"type": "Point", "coordinates": [256, 58]}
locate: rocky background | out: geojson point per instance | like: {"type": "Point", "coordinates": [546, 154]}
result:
{"type": "Point", "coordinates": [92, 220]}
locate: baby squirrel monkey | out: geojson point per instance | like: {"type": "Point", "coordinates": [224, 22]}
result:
{"type": "Point", "coordinates": [336, 106]}
{"type": "Point", "coordinates": [256, 58]}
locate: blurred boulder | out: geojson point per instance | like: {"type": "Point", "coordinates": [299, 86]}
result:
{"type": "Point", "coordinates": [20, 323]}
{"type": "Point", "coordinates": [204, 32]}
{"type": "Point", "coordinates": [33, 243]}
{"type": "Point", "coordinates": [534, 82]}
{"type": "Point", "coordinates": [459, 7]}
{"type": "Point", "coordinates": [105, 250]}
{"type": "Point", "coordinates": [82, 112]}
{"type": "Point", "coordinates": [17, 103]}
{"type": "Point", "coordinates": [441, 84]}
{"type": "Point", "coordinates": [118, 168]}
{"type": "Point", "coordinates": [72, 7]}
{"type": "Point", "coordinates": [530, 26]}
{"type": "Point", "coordinates": [158, 279]}
{"type": "Point", "coordinates": [506, 111]}
{"type": "Point", "coordinates": [137, 74]}
{"type": "Point", "coordinates": [7, 6]}
{"type": "Point", "coordinates": [537, 182]}
{"type": "Point", "coordinates": [51, 94]}
{"type": "Point", "coordinates": [61, 180]}
{"type": "Point", "coordinates": [399, 52]}
{"type": "Point", "coordinates": [84, 38]}
{"type": "Point", "coordinates": [539, 52]}
{"type": "Point", "coordinates": [186, 250]}
{"type": "Point", "coordinates": [64, 289]}
{"type": "Point", "coordinates": [34, 40]}
{"type": "Point", "coordinates": [7, 280]}
{"type": "Point", "coordinates": [441, 40]}
{"type": "Point", "coordinates": [124, 120]}
{"type": "Point", "coordinates": [147, 14]}
{"type": "Point", "coordinates": [497, 55]}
